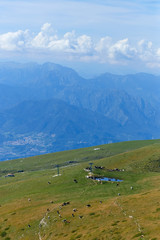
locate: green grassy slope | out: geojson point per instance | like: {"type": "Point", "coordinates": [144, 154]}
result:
{"type": "Point", "coordinates": [48, 161]}
{"type": "Point", "coordinates": [134, 214]}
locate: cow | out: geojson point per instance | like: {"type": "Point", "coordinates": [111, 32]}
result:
{"type": "Point", "coordinates": [88, 205]}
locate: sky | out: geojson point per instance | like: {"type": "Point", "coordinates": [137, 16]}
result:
{"type": "Point", "coordinates": [91, 36]}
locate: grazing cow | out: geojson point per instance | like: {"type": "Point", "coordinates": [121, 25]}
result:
{"type": "Point", "coordinates": [65, 203]}
{"type": "Point", "coordinates": [48, 210]}
{"type": "Point", "coordinates": [29, 199]}
{"type": "Point", "coordinates": [88, 205]}
{"type": "Point", "coordinates": [65, 221]}
{"type": "Point", "coordinates": [100, 201]}
{"type": "Point", "coordinates": [131, 188]}
{"type": "Point", "coordinates": [60, 215]}
{"type": "Point", "coordinates": [57, 211]}
{"type": "Point", "coordinates": [51, 202]}
{"type": "Point", "coordinates": [119, 194]}
{"type": "Point", "coordinates": [29, 225]}
{"type": "Point", "coordinates": [72, 215]}
{"type": "Point", "coordinates": [80, 217]}
{"type": "Point", "coordinates": [48, 217]}
{"type": "Point", "coordinates": [75, 181]}
{"type": "Point", "coordinates": [49, 182]}
{"type": "Point", "coordinates": [74, 209]}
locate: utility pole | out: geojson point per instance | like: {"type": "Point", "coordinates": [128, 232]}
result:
{"type": "Point", "coordinates": [57, 169]}
{"type": "Point", "coordinates": [91, 166]}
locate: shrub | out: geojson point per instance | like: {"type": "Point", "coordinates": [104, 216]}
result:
{"type": "Point", "coordinates": [3, 234]}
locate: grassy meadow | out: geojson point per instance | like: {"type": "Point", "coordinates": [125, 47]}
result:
{"type": "Point", "coordinates": [31, 202]}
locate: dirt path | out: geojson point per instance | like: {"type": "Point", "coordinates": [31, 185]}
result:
{"type": "Point", "coordinates": [135, 220]}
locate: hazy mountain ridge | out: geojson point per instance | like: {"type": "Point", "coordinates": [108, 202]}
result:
{"type": "Point", "coordinates": [53, 125]}
{"type": "Point", "coordinates": [53, 100]}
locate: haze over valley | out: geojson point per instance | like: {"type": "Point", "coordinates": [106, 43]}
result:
{"type": "Point", "coordinates": [48, 107]}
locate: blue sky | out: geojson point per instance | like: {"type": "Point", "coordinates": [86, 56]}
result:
{"type": "Point", "coordinates": [114, 36]}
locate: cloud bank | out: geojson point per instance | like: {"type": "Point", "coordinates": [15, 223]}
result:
{"type": "Point", "coordinates": [80, 48]}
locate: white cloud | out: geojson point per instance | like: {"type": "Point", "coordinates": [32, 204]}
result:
{"type": "Point", "coordinates": [65, 44]}
{"type": "Point", "coordinates": [12, 41]}
{"type": "Point", "coordinates": [102, 48]}
{"type": "Point", "coordinates": [145, 49]}
{"type": "Point", "coordinates": [84, 44]}
{"type": "Point", "coordinates": [115, 52]}
{"type": "Point", "coordinates": [122, 50]}
{"type": "Point", "coordinates": [44, 37]}
{"type": "Point", "coordinates": [69, 43]}
{"type": "Point", "coordinates": [82, 47]}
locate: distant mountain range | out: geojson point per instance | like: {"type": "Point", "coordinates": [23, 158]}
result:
{"type": "Point", "coordinates": [46, 108]}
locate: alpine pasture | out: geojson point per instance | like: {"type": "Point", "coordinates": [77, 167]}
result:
{"type": "Point", "coordinates": [39, 204]}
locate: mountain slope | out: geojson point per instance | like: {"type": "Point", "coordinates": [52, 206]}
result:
{"type": "Point", "coordinates": [104, 210]}
{"type": "Point", "coordinates": [53, 125]}
{"type": "Point", "coordinates": [89, 112]}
